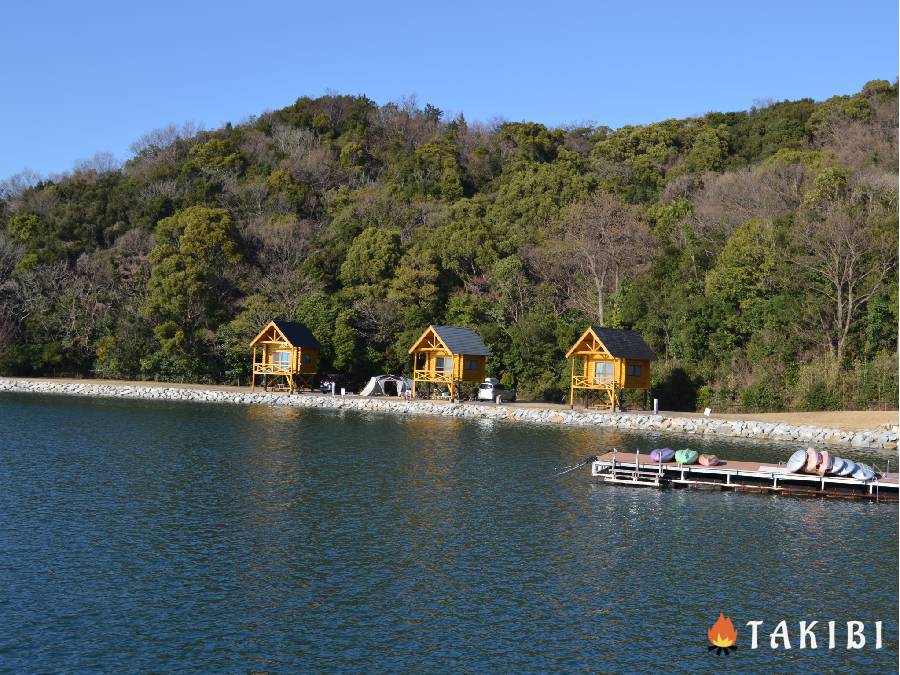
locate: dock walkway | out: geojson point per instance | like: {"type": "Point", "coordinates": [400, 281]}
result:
{"type": "Point", "coordinates": [638, 470]}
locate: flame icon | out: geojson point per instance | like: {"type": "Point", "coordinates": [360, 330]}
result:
{"type": "Point", "coordinates": [722, 635]}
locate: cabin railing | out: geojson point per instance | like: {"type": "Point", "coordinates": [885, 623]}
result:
{"type": "Point", "coordinates": [271, 369]}
{"type": "Point", "coordinates": [433, 375]}
{"type": "Point", "coordinates": [582, 382]}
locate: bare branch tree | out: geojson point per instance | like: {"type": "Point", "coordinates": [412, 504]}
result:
{"type": "Point", "coordinates": [15, 185]}
{"type": "Point", "coordinates": [294, 142]}
{"type": "Point", "coordinates": [159, 139]}
{"type": "Point", "coordinates": [284, 245]}
{"type": "Point", "coordinates": [101, 162]}
{"type": "Point", "coordinates": [605, 241]}
{"type": "Point", "coordinates": [848, 249]}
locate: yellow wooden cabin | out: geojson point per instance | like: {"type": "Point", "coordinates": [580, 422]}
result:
{"type": "Point", "coordinates": [608, 360]}
{"type": "Point", "coordinates": [448, 356]}
{"type": "Point", "coordinates": [285, 355]}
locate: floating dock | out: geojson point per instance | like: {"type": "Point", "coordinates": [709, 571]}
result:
{"type": "Point", "coordinates": [635, 469]}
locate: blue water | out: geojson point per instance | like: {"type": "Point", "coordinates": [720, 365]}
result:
{"type": "Point", "coordinates": [148, 536]}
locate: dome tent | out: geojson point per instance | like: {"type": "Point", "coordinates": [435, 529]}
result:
{"type": "Point", "coordinates": [386, 385]}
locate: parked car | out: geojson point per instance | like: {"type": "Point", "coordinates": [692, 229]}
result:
{"type": "Point", "coordinates": [326, 382]}
{"type": "Point", "coordinates": [491, 388]}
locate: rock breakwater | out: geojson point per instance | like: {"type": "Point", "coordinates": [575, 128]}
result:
{"type": "Point", "coordinates": [631, 421]}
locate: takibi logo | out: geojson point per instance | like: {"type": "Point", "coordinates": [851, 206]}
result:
{"type": "Point", "coordinates": [722, 635]}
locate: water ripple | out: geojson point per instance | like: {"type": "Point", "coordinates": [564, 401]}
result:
{"type": "Point", "coordinates": [142, 536]}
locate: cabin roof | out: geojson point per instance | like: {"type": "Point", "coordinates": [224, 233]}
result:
{"type": "Point", "coordinates": [621, 343]}
{"type": "Point", "coordinates": [462, 340]}
{"type": "Point", "coordinates": [296, 333]}
{"type": "Point", "coordinates": [625, 344]}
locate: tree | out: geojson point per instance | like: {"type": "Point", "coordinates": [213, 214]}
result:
{"type": "Point", "coordinates": [284, 245]}
{"type": "Point", "coordinates": [531, 195]}
{"type": "Point", "coordinates": [709, 150]}
{"type": "Point", "coordinates": [604, 241]}
{"type": "Point", "coordinates": [465, 242]}
{"type": "Point", "coordinates": [191, 286]}
{"type": "Point", "coordinates": [432, 171]}
{"type": "Point", "coordinates": [848, 247]}
{"type": "Point", "coordinates": [743, 276]}
{"type": "Point", "coordinates": [510, 286]}
{"type": "Point", "coordinates": [415, 282]}
{"type": "Point", "coordinates": [345, 342]}
{"type": "Point", "coordinates": [371, 260]}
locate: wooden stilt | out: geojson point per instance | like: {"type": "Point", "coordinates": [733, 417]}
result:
{"type": "Point", "coordinates": [572, 386]}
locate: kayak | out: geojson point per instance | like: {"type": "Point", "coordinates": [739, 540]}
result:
{"type": "Point", "coordinates": [686, 456]}
{"type": "Point", "coordinates": [837, 465]}
{"type": "Point", "coordinates": [662, 455]}
{"type": "Point", "coordinates": [849, 468]}
{"type": "Point", "coordinates": [825, 464]}
{"type": "Point", "coordinates": [708, 460]}
{"type": "Point", "coordinates": [864, 472]}
{"type": "Point", "coordinates": [797, 461]}
{"type": "Point", "coordinates": [812, 460]}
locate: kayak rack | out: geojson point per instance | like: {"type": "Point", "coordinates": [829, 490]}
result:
{"type": "Point", "coordinates": [629, 469]}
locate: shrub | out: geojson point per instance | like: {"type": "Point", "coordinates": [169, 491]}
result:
{"type": "Point", "coordinates": [761, 397]}
{"type": "Point", "coordinates": [675, 388]}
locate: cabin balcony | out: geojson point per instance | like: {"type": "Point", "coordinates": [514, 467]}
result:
{"type": "Point", "coordinates": [588, 382]}
{"type": "Point", "coordinates": [433, 375]}
{"type": "Point", "coordinates": [272, 369]}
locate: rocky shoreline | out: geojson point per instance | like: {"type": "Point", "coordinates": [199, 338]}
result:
{"type": "Point", "coordinates": [805, 434]}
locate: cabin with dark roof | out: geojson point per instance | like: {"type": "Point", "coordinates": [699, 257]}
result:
{"type": "Point", "coordinates": [447, 356]}
{"type": "Point", "coordinates": [607, 361]}
{"type": "Point", "coordinates": [285, 355]}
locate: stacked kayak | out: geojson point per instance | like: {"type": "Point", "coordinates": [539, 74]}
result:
{"type": "Point", "coordinates": [822, 463]}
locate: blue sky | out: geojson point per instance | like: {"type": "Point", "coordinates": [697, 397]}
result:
{"type": "Point", "coordinates": [79, 78]}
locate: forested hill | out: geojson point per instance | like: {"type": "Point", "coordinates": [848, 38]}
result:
{"type": "Point", "coordinates": [756, 251]}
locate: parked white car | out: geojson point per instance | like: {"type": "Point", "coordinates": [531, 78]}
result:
{"type": "Point", "coordinates": [491, 388]}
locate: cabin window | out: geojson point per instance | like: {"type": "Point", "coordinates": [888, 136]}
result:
{"type": "Point", "coordinates": [281, 359]}
{"type": "Point", "coordinates": [443, 363]}
{"type": "Point", "coordinates": [421, 358]}
{"type": "Point", "coordinates": [603, 371]}
{"type": "Point", "coordinates": [471, 364]}
{"type": "Point", "coordinates": [305, 358]}
{"type": "Point", "coordinates": [634, 370]}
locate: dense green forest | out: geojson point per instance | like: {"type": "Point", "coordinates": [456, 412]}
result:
{"type": "Point", "coordinates": [756, 251]}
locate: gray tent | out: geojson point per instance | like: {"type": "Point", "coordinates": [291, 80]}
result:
{"type": "Point", "coordinates": [386, 385]}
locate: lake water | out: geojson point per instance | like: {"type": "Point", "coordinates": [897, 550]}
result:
{"type": "Point", "coordinates": [141, 536]}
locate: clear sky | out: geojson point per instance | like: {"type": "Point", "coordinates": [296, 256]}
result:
{"type": "Point", "coordinates": [83, 77]}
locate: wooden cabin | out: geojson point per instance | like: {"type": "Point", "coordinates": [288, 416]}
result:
{"type": "Point", "coordinates": [448, 356]}
{"type": "Point", "coordinates": [608, 360]}
{"type": "Point", "coordinates": [285, 355]}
